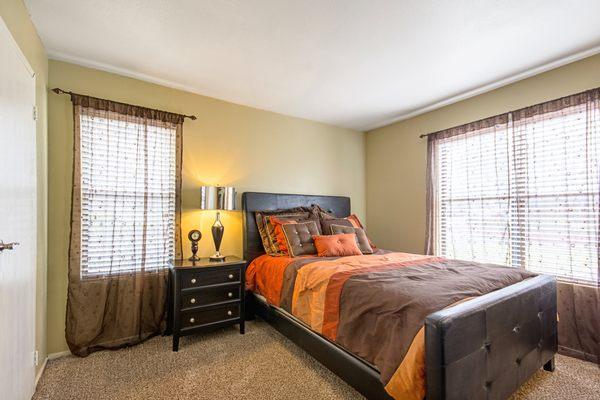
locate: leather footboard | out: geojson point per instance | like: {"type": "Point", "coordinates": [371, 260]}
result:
{"type": "Point", "coordinates": [487, 347]}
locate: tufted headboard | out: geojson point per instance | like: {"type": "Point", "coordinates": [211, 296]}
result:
{"type": "Point", "coordinates": [255, 201]}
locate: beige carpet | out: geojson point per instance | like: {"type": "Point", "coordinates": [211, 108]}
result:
{"type": "Point", "coordinates": [262, 364]}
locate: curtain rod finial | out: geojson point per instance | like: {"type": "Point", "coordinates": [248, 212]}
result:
{"type": "Point", "coordinates": [59, 91]}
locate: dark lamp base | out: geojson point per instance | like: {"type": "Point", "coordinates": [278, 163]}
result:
{"type": "Point", "coordinates": [216, 258]}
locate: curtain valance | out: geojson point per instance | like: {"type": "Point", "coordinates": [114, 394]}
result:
{"type": "Point", "coordinates": [525, 112]}
{"type": "Point", "coordinates": [125, 109]}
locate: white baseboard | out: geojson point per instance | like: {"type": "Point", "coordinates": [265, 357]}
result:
{"type": "Point", "coordinates": [52, 356]}
{"type": "Point", "coordinates": [40, 372]}
{"type": "Point", "coordinates": [60, 354]}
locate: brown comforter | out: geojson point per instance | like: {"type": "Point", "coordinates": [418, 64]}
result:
{"type": "Point", "coordinates": [375, 305]}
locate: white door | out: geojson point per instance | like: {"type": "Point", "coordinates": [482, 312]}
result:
{"type": "Point", "coordinates": [17, 221]}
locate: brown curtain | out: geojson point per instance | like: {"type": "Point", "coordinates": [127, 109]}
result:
{"type": "Point", "coordinates": [542, 165]}
{"type": "Point", "coordinates": [462, 156]}
{"type": "Point", "coordinates": [431, 198]}
{"type": "Point", "coordinates": [575, 180]}
{"type": "Point", "coordinates": [125, 222]}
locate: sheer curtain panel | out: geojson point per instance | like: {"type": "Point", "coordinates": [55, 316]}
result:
{"type": "Point", "coordinates": [523, 189]}
{"type": "Point", "coordinates": [125, 224]}
{"type": "Point", "coordinates": [555, 184]}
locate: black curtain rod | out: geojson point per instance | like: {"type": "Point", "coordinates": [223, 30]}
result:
{"type": "Point", "coordinates": [60, 91]}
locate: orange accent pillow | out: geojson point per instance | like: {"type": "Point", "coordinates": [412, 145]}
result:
{"type": "Point", "coordinates": [280, 239]}
{"type": "Point", "coordinates": [355, 221]}
{"type": "Point", "coordinates": [340, 245]}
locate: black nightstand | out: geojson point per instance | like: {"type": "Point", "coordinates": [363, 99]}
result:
{"type": "Point", "coordinates": [206, 295]}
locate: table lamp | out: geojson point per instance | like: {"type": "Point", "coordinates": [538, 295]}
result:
{"type": "Point", "coordinates": [217, 198]}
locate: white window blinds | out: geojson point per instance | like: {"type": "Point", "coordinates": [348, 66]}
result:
{"type": "Point", "coordinates": [127, 194]}
{"type": "Point", "coordinates": [524, 193]}
{"type": "Point", "coordinates": [473, 196]}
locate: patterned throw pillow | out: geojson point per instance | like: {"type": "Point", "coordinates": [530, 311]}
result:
{"type": "Point", "coordinates": [361, 237]}
{"type": "Point", "coordinates": [317, 210]}
{"type": "Point", "coordinates": [263, 229]}
{"type": "Point", "coordinates": [274, 228]}
{"type": "Point", "coordinates": [277, 243]}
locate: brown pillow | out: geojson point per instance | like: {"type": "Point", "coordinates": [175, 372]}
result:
{"type": "Point", "coordinates": [341, 245]}
{"type": "Point", "coordinates": [361, 237]}
{"type": "Point", "coordinates": [264, 230]}
{"type": "Point", "coordinates": [277, 236]}
{"type": "Point", "coordinates": [277, 243]}
{"type": "Point", "coordinates": [299, 238]}
{"type": "Point", "coordinates": [317, 210]}
{"type": "Point", "coordinates": [327, 223]}
{"type": "Point", "coordinates": [352, 219]}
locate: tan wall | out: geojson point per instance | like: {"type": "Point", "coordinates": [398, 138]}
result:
{"type": "Point", "coordinates": [229, 144]}
{"type": "Point", "coordinates": [396, 157]}
{"type": "Point", "coordinates": [16, 18]}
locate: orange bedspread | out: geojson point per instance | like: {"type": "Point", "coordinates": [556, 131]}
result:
{"type": "Point", "coordinates": [316, 302]}
{"type": "Point", "coordinates": [375, 305]}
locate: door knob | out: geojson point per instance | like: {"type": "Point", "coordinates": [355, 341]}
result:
{"type": "Point", "coordinates": [7, 246]}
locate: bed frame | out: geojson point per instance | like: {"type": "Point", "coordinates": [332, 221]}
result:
{"type": "Point", "coordinates": [484, 348]}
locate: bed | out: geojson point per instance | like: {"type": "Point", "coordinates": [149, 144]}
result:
{"type": "Point", "coordinates": [483, 347]}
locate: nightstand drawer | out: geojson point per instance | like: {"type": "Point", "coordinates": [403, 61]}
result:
{"type": "Point", "coordinates": [205, 295]}
{"type": "Point", "coordinates": [190, 319]}
{"type": "Point", "coordinates": [190, 279]}
{"type": "Point", "coordinates": [210, 295]}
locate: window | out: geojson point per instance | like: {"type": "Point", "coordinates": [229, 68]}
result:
{"type": "Point", "coordinates": [524, 191]}
{"type": "Point", "coordinates": [127, 194]}
{"type": "Point", "coordinates": [473, 189]}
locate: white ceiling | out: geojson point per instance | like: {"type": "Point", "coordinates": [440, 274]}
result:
{"type": "Point", "coordinates": [353, 63]}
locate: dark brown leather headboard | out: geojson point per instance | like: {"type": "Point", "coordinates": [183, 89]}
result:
{"type": "Point", "coordinates": [255, 201]}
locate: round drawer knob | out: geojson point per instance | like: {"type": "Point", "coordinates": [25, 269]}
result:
{"type": "Point", "coordinates": [229, 294]}
{"type": "Point", "coordinates": [229, 313]}
{"type": "Point", "coordinates": [192, 320]}
{"type": "Point", "coordinates": [192, 300]}
{"type": "Point", "coordinates": [193, 280]}
{"type": "Point", "coordinates": [230, 276]}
